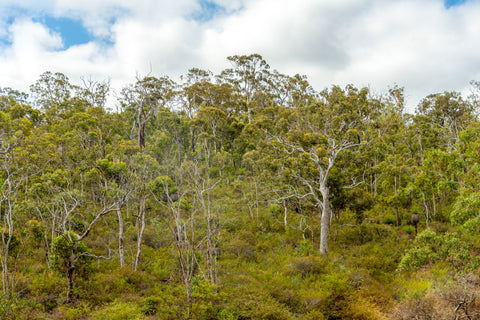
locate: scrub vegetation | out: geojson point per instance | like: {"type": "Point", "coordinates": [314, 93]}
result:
{"type": "Point", "coordinates": [242, 195]}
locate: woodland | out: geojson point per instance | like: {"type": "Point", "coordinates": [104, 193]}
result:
{"type": "Point", "coordinates": [241, 195]}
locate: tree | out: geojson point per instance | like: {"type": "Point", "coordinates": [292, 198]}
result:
{"type": "Point", "coordinates": [94, 92]}
{"type": "Point", "coordinates": [317, 136]}
{"type": "Point", "coordinates": [51, 90]}
{"type": "Point", "coordinates": [247, 75]}
{"type": "Point", "coordinates": [448, 114]}
{"type": "Point", "coordinates": [144, 99]}
{"type": "Point", "coordinates": [15, 170]}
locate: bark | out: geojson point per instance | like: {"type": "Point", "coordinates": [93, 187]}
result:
{"type": "Point", "coordinates": [141, 218]}
{"type": "Point", "coordinates": [120, 238]}
{"type": "Point", "coordinates": [7, 236]}
{"type": "Point", "coordinates": [325, 220]}
{"type": "Point", "coordinates": [141, 134]}
{"type": "Point", "coordinates": [70, 277]}
{"type": "Point", "coordinates": [427, 215]}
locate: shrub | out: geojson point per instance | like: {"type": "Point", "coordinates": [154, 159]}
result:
{"type": "Point", "coordinates": [250, 303]}
{"type": "Point", "coordinates": [430, 248]}
{"type": "Point", "coordinates": [150, 306]}
{"type": "Point", "coordinates": [389, 219]}
{"type": "Point", "coordinates": [304, 249]}
{"type": "Point", "coordinates": [305, 266]}
{"type": "Point", "coordinates": [409, 229]}
{"type": "Point", "coordinates": [363, 309]}
{"type": "Point", "coordinates": [119, 311]}
{"type": "Point", "coordinates": [466, 207]}
{"type": "Point", "coordinates": [46, 289]}
{"type": "Point", "coordinates": [12, 308]}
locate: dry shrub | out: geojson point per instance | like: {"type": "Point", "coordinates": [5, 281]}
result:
{"type": "Point", "coordinates": [457, 298]}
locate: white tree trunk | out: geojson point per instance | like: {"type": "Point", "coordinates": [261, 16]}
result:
{"type": "Point", "coordinates": [325, 220]}
{"type": "Point", "coordinates": [121, 253]}
{"type": "Point", "coordinates": [141, 217]}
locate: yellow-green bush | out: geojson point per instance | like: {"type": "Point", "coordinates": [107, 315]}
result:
{"type": "Point", "coordinates": [119, 311]}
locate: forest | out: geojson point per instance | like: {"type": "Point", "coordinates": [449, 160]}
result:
{"type": "Point", "coordinates": [246, 194]}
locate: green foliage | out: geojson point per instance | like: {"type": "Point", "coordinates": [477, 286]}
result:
{"type": "Point", "coordinates": [429, 247]}
{"type": "Point", "coordinates": [63, 248]}
{"type": "Point", "coordinates": [304, 248]}
{"type": "Point", "coordinates": [46, 288]}
{"type": "Point", "coordinates": [162, 185]}
{"type": "Point", "coordinates": [271, 146]}
{"type": "Point", "coordinates": [206, 299]}
{"type": "Point", "coordinates": [111, 169]}
{"type": "Point", "coordinates": [466, 207]}
{"type": "Point", "coordinates": [307, 266]}
{"type": "Point", "coordinates": [388, 219]}
{"type": "Point", "coordinates": [36, 231]}
{"type": "Point", "coordinates": [150, 306]}
{"type": "Point", "coordinates": [251, 303]}
{"type": "Point", "coordinates": [409, 229]}
{"type": "Point", "coordinates": [14, 308]}
{"type": "Point", "coordinates": [119, 311]}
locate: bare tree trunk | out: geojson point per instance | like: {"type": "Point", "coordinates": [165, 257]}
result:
{"type": "Point", "coordinates": [121, 252]}
{"type": "Point", "coordinates": [141, 218]}
{"type": "Point", "coordinates": [7, 236]}
{"type": "Point", "coordinates": [5, 276]}
{"type": "Point", "coordinates": [397, 222]}
{"type": "Point", "coordinates": [70, 277]}
{"type": "Point", "coordinates": [256, 196]}
{"type": "Point", "coordinates": [427, 218]}
{"type": "Point", "coordinates": [325, 220]}
{"type": "Point", "coordinates": [141, 135]}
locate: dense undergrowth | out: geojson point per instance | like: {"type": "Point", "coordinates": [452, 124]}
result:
{"type": "Point", "coordinates": [245, 195]}
{"type": "Point", "coordinates": [266, 272]}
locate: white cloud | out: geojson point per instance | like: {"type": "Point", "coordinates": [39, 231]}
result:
{"type": "Point", "coordinates": [418, 44]}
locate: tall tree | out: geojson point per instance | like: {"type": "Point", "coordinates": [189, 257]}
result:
{"type": "Point", "coordinates": [318, 135]}
{"type": "Point", "coordinates": [248, 75]}
{"type": "Point", "coordinates": [144, 99]}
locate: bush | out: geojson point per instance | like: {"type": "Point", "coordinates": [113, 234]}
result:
{"type": "Point", "coordinates": [250, 303]}
{"type": "Point", "coordinates": [409, 229]}
{"type": "Point", "coordinates": [46, 289]}
{"type": "Point", "coordinates": [389, 219]}
{"type": "Point", "coordinates": [430, 248]}
{"type": "Point", "coordinates": [12, 308]}
{"type": "Point", "coordinates": [119, 311]}
{"type": "Point", "coordinates": [304, 249]}
{"type": "Point", "coordinates": [206, 299]}
{"type": "Point", "coordinates": [150, 306]}
{"type": "Point", "coordinates": [305, 266]}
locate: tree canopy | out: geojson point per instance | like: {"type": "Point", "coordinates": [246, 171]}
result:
{"type": "Point", "coordinates": [242, 195]}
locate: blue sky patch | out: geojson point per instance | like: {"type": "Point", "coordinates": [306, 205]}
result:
{"type": "Point", "coordinates": [72, 31]}
{"type": "Point", "coordinates": [5, 40]}
{"type": "Point", "coordinates": [452, 3]}
{"type": "Point", "coordinates": [5, 43]}
{"type": "Point", "coordinates": [209, 10]}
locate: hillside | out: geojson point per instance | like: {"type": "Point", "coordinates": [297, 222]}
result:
{"type": "Point", "coordinates": [242, 195]}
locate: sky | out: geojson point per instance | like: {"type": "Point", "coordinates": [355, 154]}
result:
{"type": "Point", "coordinates": [425, 46]}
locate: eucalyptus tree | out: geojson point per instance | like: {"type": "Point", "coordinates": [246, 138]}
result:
{"type": "Point", "coordinates": [52, 90]}
{"type": "Point", "coordinates": [289, 90]}
{"type": "Point", "coordinates": [143, 99]}
{"type": "Point", "coordinates": [247, 75]}
{"type": "Point", "coordinates": [447, 114]}
{"type": "Point", "coordinates": [15, 171]}
{"type": "Point", "coordinates": [94, 92]}
{"type": "Point", "coordinates": [11, 178]}
{"type": "Point", "coordinates": [175, 196]}
{"type": "Point", "coordinates": [315, 137]}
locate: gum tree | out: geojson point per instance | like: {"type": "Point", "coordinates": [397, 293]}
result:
{"type": "Point", "coordinates": [315, 138]}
